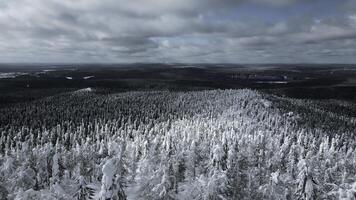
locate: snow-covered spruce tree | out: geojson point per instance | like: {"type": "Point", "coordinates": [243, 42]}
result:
{"type": "Point", "coordinates": [55, 169]}
{"type": "Point", "coordinates": [3, 192]}
{"type": "Point", "coordinates": [83, 191]}
{"type": "Point", "coordinates": [164, 189]}
{"type": "Point", "coordinates": [306, 185]}
{"type": "Point", "coordinates": [191, 162]}
{"type": "Point", "coordinates": [219, 144]}
{"type": "Point", "coordinates": [110, 184]}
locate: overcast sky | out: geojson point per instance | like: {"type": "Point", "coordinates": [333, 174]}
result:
{"type": "Point", "coordinates": [230, 31]}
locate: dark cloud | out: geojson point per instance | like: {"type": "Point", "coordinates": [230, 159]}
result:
{"type": "Point", "coordinates": [174, 31]}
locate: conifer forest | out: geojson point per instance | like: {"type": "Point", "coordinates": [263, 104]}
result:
{"type": "Point", "coordinates": [160, 144]}
{"type": "Point", "coordinates": [177, 99]}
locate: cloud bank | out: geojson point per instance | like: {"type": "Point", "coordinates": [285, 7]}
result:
{"type": "Point", "coordinates": [239, 31]}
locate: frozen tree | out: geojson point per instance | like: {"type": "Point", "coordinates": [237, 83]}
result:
{"type": "Point", "coordinates": [3, 192]}
{"type": "Point", "coordinates": [306, 185]}
{"type": "Point", "coordinates": [110, 185]}
{"type": "Point", "coordinates": [218, 144]}
{"type": "Point", "coordinates": [55, 169]}
{"type": "Point", "coordinates": [83, 192]}
{"type": "Point", "coordinates": [163, 190]}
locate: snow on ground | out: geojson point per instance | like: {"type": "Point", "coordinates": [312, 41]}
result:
{"type": "Point", "coordinates": [132, 192]}
{"type": "Point", "coordinates": [88, 77]}
{"type": "Point", "coordinates": [84, 90]}
{"type": "Point", "coordinates": [89, 89]}
{"type": "Point", "coordinates": [45, 71]}
{"type": "Point", "coordinates": [11, 74]}
{"type": "Point", "coordinates": [69, 77]}
{"type": "Point", "coordinates": [273, 82]}
{"type": "Point", "coordinates": [266, 103]}
{"type": "Point", "coordinates": [48, 70]}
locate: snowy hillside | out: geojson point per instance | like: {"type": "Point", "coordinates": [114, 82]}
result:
{"type": "Point", "coordinates": [220, 144]}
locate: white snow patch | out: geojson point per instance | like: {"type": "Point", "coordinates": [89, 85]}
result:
{"type": "Point", "coordinates": [132, 192]}
{"type": "Point", "coordinates": [11, 74]}
{"type": "Point", "coordinates": [108, 169]}
{"type": "Point", "coordinates": [57, 189]}
{"type": "Point", "coordinates": [273, 82]}
{"type": "Point", "coordinates": [274, 177]}
{"type": "Point", "coordinates": [83, 91]}
{"type": "Point", "coordinates": [48, 70]}
{"type": "Point", "coordinates": [88, 77]}
{"type": "Point", "coordinates": [69, 77]}
{"type": "Point", "coordinates": [45, 71]}
{"type": "Point", "coordinates": [266, 103]}
{"type": "Point", "coordinates": [89, 89]}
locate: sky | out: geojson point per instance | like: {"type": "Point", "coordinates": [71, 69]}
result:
{"type": "Point", "coordinates": [178, 31]}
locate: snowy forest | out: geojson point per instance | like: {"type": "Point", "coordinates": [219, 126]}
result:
{"type": "Point", "coordinates": [196, 145]}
